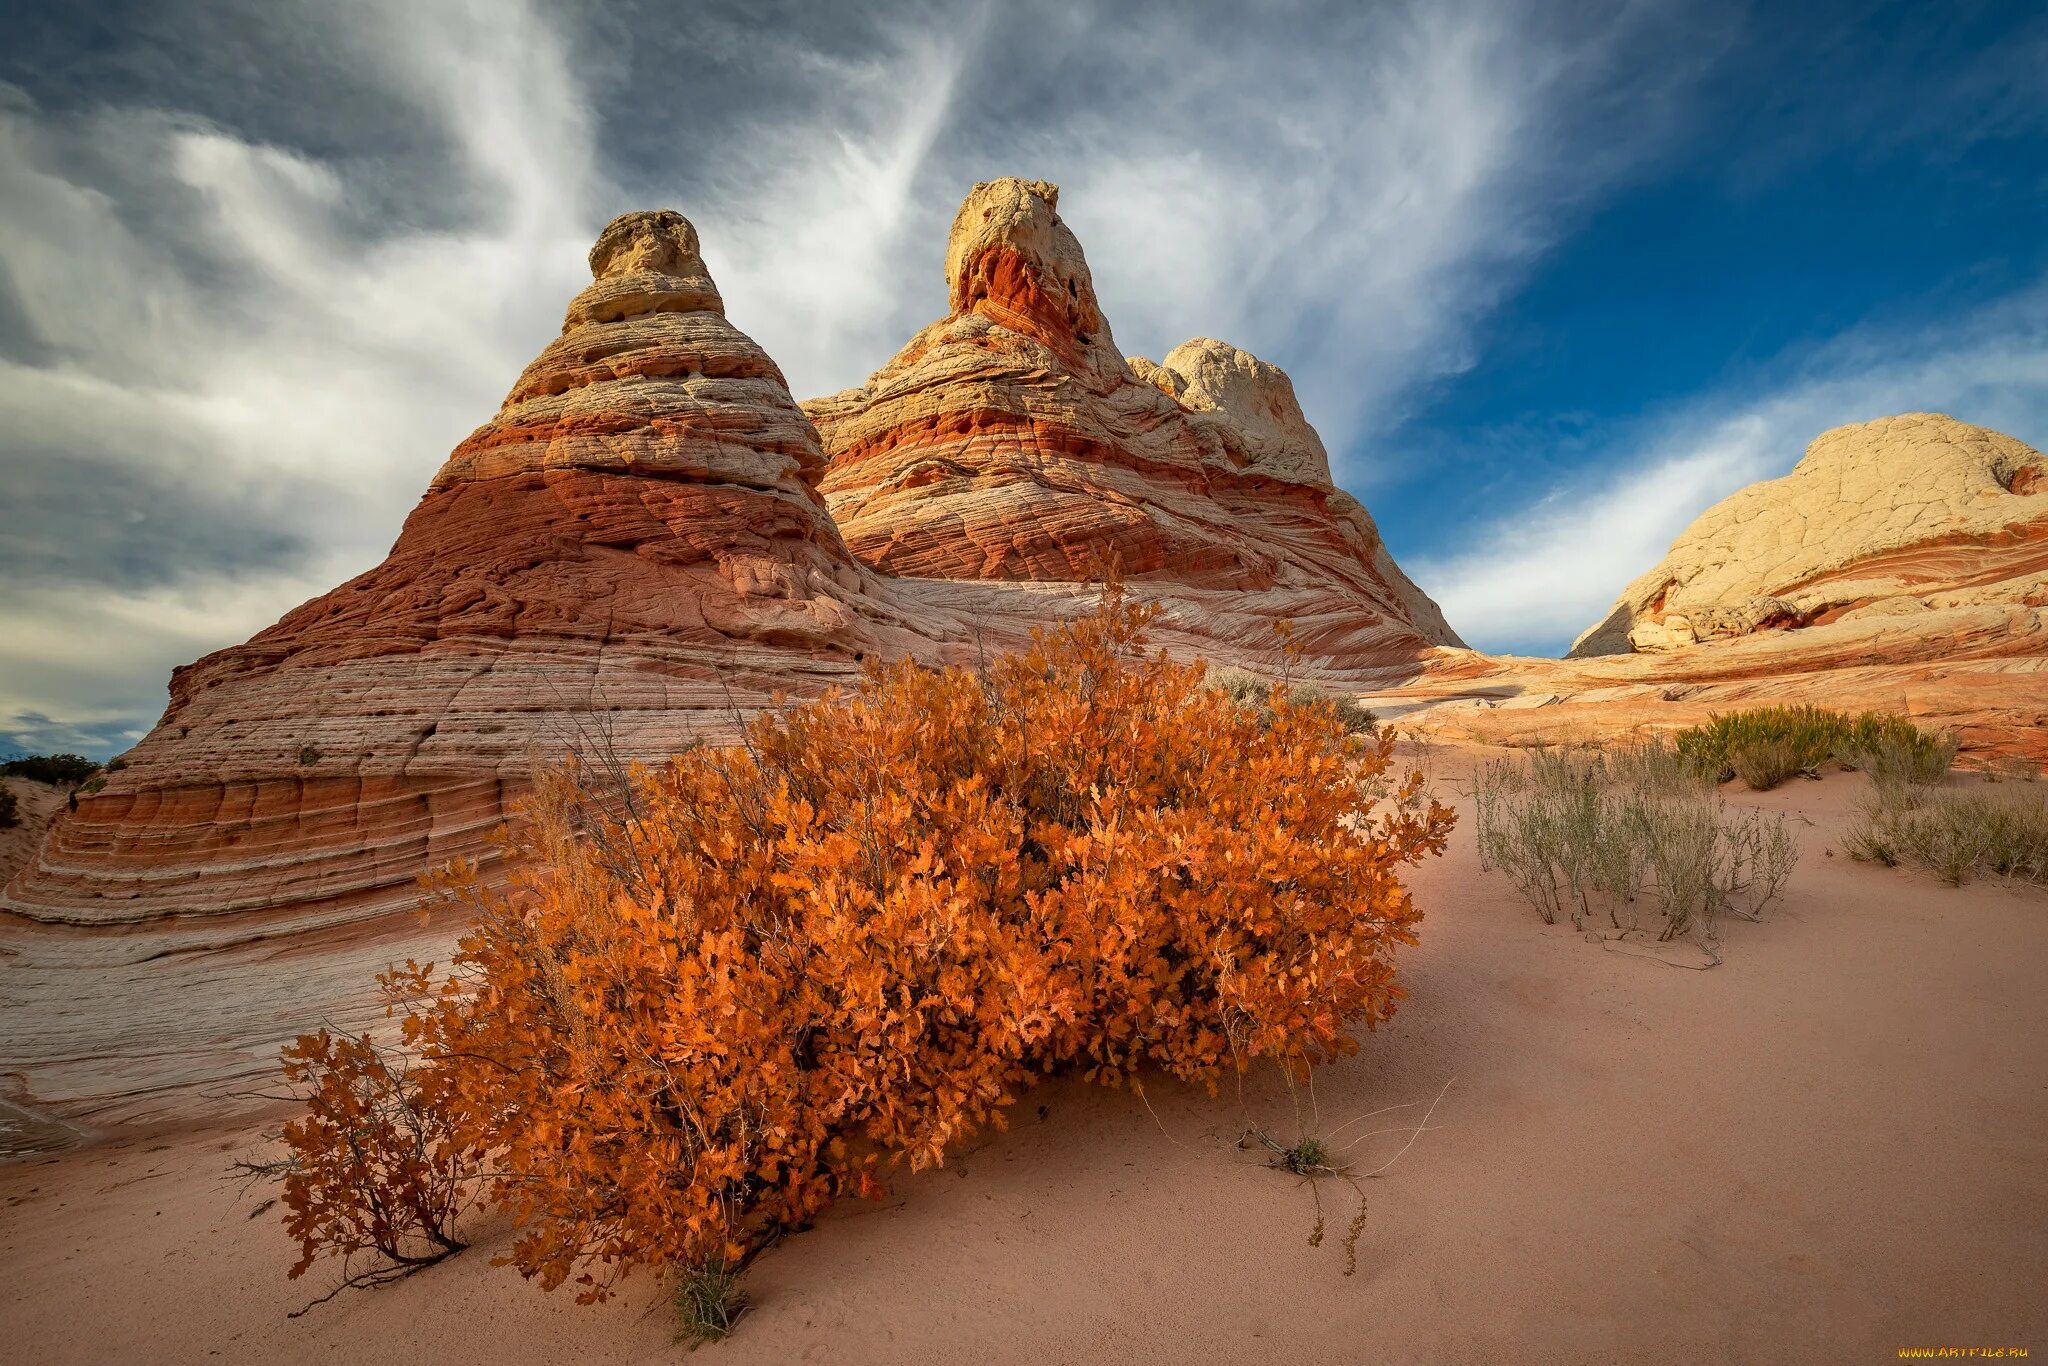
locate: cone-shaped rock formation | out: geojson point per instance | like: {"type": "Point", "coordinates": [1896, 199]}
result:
{"type": "Point", "coordinates": [633, 536]}
{"type": "Point", "coordinates": [631, 548]}
{"type": "Point", "coordinates": [1012, 442]}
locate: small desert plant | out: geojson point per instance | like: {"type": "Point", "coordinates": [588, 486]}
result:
{"type": "Point", "coordinates": [708, 1303]}
{"type": "Point", "coordinates": [1893, 758]}
{"type": "Point", "coordinates": [1582, 830]}
{"type": "Point", "coordinates": [1955, 833]}
{"type": "Point", "coordinates": [1315, 1157]}
{"type": "Point", "coordinates": [1767, 745]}
{"type": "Point", "coordinates": [308, 756]}
{"type": "Point", "coordinates": [1310, 1154]}
{"type": "Point", "coordinates": [2012, 768]}
{"type": "Point", "coordinates": [1765, 763]}
{"type": "Point", "coordinates": [10, 808]}
{"type": "Point", "coordinates": [1249, 690]}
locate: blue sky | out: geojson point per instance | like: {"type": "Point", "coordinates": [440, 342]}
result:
{"type": "Point", "coordinates": [1549, 278]}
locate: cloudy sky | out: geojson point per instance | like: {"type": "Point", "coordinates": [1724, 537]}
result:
{"type": "Point", "coordinates": [1549, 278]}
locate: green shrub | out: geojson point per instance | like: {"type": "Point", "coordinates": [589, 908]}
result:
{"type": "Point", "coordinates": [1582, 830]}
{"type": "Point", "coordinates": [52, 770]}
{"type": "Point", "coordinates": [1893, 758]}
{"type": "Point", "coordinates": [1767, 745]}
{"type": "Point", "coordinates": [10, 808]}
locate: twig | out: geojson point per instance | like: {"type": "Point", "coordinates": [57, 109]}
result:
{"type": "Point", "coordinates": [1417, 1134]}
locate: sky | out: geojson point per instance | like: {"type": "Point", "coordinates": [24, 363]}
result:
{"type": "Point", "coordinates": [1550, 278]}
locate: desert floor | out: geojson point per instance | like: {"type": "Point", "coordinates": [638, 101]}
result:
{"type": "Point", "coordinates": [1831, 1147]}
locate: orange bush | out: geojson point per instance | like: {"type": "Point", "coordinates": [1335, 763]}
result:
{"type": "Point", "coordinates": [700, 1012]}
{"type": "Point", "coordinates": [373, 1167]}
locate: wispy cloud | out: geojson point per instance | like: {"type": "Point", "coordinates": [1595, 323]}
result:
{"type": "Point", "coordinates": [221, 390]}
{"type": "Point", "coordinates": [242, 318]}
{"type": "Point", "coordinates": [229, 361]}
{"type": "Point", "coordinates": [821, 230]}
{"type": "Point", "coordinates": [1541, 573]}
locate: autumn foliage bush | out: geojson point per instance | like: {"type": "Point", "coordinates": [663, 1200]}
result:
{"type": "Point", "coordinates": [712, 1001]}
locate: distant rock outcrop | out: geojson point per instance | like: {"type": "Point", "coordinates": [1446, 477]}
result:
{"type": "Point", "coordinates": [1011, 442]}
{"type": "Point", "coordinates": [1902, 566]}
{"type": "Point", "coordinates": [1909, 516]}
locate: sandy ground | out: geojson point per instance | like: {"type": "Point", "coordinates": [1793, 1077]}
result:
{"type": "Point", "coordinates": [1834, 1146]}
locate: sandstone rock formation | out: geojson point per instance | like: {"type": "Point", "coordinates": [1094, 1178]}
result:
{"type": "Point", "coordinates": [1899, 517]}
{"type": "Point", "coordinates": [642, 546]}
{"type": "Point", "coordinates": [1902, 566]}
{"type": "Point", "coordinates": [36, 805]}
{"type": "Point", "coordinates": [630, 550]}
{"type": "Point", "coordinates": [1011, 442]}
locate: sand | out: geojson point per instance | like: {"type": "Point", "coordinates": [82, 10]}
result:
{"type": "Point", "coordinates": [1831, 1147]}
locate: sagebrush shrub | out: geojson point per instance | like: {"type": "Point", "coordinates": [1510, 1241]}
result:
{"type": "Point", "coordinates": [1250, 690]}
{"type": "Point", "coordinates": [1895, 758]}
{"type": "Point", "coordinates": [1957, 834]}
{"type": "Point", "coordinates": [10, 808]}
{"type": "Point", "coordinates": [1580, 831]}
{"type": "Point", "coordinates": [1764, 764]}
{"type": "Point", "coordinates": [702, 1010]}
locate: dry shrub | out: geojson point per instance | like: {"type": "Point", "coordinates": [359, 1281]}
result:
{"type": "Point", "coordinates": [699, 1014]}
{"type": "Point", "coordinates": [1956, 833]}
{"type": "Point", "coordinates": [1581, 831]}
{"type": "Point", "coordinates": [2011, 768]}
{"type": "Point", "coordinates": [1248, 689]}
{"type": "Point", "coordinates": [1764, 764]}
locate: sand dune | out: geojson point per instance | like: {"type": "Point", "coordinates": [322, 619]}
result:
{"type": "Point", "coordinates": [1831, 1147]}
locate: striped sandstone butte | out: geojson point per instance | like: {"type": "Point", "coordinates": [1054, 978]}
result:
{"type": "Point", "coordinates": [631, 549]}
{"type": "Point", "coordinates": [1012, 443]}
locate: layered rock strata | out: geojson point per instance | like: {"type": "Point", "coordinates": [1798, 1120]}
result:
{"type": "Point", "coordinates": [1908, 518]}
{"type": "Point", "coordinates": [1011, 442]}
{"type": "Point", "coordinates": [629, 554]}
{"type": "Point", "coordinates": [1902, 566]}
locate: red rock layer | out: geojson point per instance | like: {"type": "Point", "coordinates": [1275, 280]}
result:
{"type": "Point", "coordinates": [1012, 442]}
{"type": "Point", "coordinates": [631, 549]}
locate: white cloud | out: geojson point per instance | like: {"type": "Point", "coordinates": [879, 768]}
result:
{"type": "Point", "coordinates": [1540, 574]}
{"type": "Point", "coordinates": [817, 234]}
{"type": "Point", "coordinates": [211, 327]}
{"type": "Point", "coordinates": [255, 364]}
{"type": "Point", "coordinates": [236, 363]}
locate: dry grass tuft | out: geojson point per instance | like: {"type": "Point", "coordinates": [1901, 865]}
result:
{"type": "Point", "coordinates": [1616, 830]}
